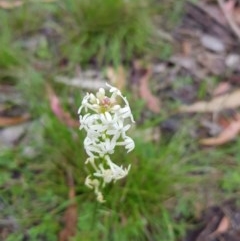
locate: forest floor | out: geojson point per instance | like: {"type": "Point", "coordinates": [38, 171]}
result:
{"type": "Point", "coordinates": [185, 98]}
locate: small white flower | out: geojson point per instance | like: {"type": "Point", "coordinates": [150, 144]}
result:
{"type": "Point", "coordinates": [94, 184]}
{"type": "Point", "coordinates": [117, 171]}
{"type": "Point", "coordinates": [125, 112]}
{"type": "Point", "coordinates": [106, 174]}
{"type": "Point", "coordinates": [100, 94]}
{"type": "Point", "coordinates": [91, 183]}
{"type": "Point", "coordinates": [106, 118]}
{"type": "Point", "coordinates": [107, 147]}
{"type": "Point", "coordinates": [128, 143]}
{"type": "Point", "coordinates": [100, 197]}
{"type": "Point", "coordinates": [93, 99]}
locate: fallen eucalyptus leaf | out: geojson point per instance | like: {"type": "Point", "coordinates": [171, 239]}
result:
{"type": "Point", "coordinates": [223, 226]}
{"type": "Point", "coordinates": [153, 102]}
{"type": "Point", "coordinates": [212, 43]}
{"type": "Point", "coordinates": [228, 134]}
{"type": "Point", "coordinates": [18, 3]}
{"type": "Point", "coordinates": [222, 88]}
{"type": "Point", "coordinates": [71, 213]}
{"type": "Point", "coordinates": [231, 100]}
{"type": "Point", "coordinates": [10, 4]}
{"type": "Point", "coordinates": [9, 121]}
{"type": "Point", "coordinates": [57, 109]}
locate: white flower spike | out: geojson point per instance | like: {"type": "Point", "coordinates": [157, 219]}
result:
{"type": "Point", "coordinates": [106, 121]}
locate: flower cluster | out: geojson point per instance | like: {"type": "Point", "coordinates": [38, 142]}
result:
{"type": "Point", "coordinates": [106, 122]}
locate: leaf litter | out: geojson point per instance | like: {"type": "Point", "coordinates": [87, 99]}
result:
{"type": "Point", "coordinates": [217, 223]}
{"type": "Point", "coordinates": [212, 28]}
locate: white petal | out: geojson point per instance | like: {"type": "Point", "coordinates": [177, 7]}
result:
{"type": "Point", "coordinates": [108, 116]}
{"type": "Point", "coordinates": [93, 98]}
{"type": "Point", "coordinates": [113, 89]}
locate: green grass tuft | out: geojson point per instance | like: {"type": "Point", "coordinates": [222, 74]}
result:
{"type": "Point", "coordinates": [116, 31]}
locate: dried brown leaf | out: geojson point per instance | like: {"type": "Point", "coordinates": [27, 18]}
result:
{"type": "Point", "coordinates": [223, 226]}
{"type": "Point", "coordinates": [221, 88]}
{"type": "Point", "coordinates": [227, 9]}
{"type": "Point", "coordinates": [231, 100]}
{"type": "Point", "coordinates": [117, 77]}
{"type": "Point", "coordinates": [18, 3]}
{"type": "Point", "coordinates": [152, 101]}
{"type": "Point", "coordinates": [228, 134]}
{"type": "Point", "coordinates": [70, 221]}
{"type": "Point", "coordinates": [213, 11]}
{"type": "Point", "coordinates": [57, 109]}
{"type": "Point", "coordinates": [71, 215]}
{"type": "Point", "coordinates": [10, 4]}
{"type": "Point", "coordinates": [229, 6]}
{"type": "Point", "coordinates": [9, 121]}
{"type": "Point", "coordinates": [186, 48]}
{"type": "Point", "coordinates": [236, 15]}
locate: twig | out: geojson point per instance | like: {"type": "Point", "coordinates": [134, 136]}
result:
{"type": "Point", "coordinates": [229, 19]}
{"type": "Point", "coordinates": [70, 183]}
